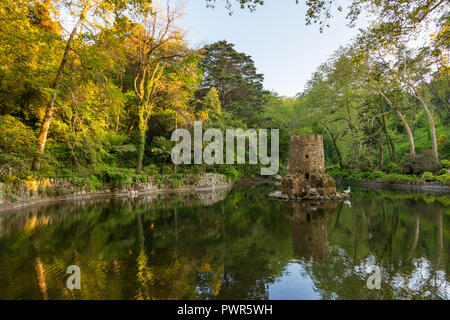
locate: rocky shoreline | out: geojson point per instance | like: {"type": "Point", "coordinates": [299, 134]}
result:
{"type": "Point", "coordinates": [312, 196]}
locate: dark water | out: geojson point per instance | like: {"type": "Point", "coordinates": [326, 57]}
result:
{"type": "Point", "coordinates": [229, 245]}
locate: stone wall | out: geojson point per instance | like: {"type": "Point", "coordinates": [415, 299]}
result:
{"type": "Point", "coordinates": [19, 194]}
{"type": "Point", "coordinates": [36, 215]}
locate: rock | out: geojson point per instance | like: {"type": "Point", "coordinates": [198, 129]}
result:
{"type": "Point", "coordinates": [278, 177]}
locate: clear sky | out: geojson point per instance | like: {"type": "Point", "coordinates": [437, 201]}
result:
{"type": "Point", "coordinates": [284, 49]}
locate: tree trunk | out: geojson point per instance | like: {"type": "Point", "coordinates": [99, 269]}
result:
{"type": "Point", "coordinates": [143, 121]}
{"type": "Point", "coordinates": [42, 139]}
{"type": "Point", "coordinates": [412, 148]}
{"type": "Point", "coordinates": [432, 126]}
{"type": "Point", "coordinates": [380, 142]}
{"type": "Point", "coordinates": [333, 139]}
{"type": "Point", "coordinates": [389, 142]}
{"type": "Point", "coordinates": [141, 150]}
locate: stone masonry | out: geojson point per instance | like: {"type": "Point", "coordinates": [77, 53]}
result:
{"type": "Point", "coordinates": [306, 155]}
{"type": "Point", "coordinates": [306, 178]}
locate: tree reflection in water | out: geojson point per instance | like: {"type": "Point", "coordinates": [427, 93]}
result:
{"type": "Point", "coordinates": [228, 245]}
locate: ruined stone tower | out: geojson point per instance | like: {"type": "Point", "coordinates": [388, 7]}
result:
{"type": "Point", "coordinates": [306, 156]}
{"type": "Point", "coordinates": [306, 178]}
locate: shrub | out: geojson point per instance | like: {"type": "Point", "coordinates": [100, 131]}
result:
{"type": "Point", "coordinates": [8, 162]}
{"type": "Point", "coordinates": [399, 178]}
{"type": "Point", "coordinates": [444, 179]}
{"type": "Point", "coordinates": [444, 148]}
{"type": "Point", "coordinates": [232, 173]}
{"type": "Point", "coordinates": [93, 183]}
{"type": "Point", "coordinates": [332, 168]}
{"type": "Point", "coordinates": [392, 167]}
{"type": "Point", "coordinates": [166, 169]}
{"type": "Point", "coordinates": [420, 163]}
{"type": "Point", "coordinates": [445, 164]}
{"type": "Point", "coordinates": [116, 176]}
{"type": "Point", "coordinates": [373, 175]}
{"type": "Point", "coordinates": [192, 179]}
{"type": "Point", "coordinates": [151, 170]}
{"type": "Point", "coordinates": [174, 183]}
{"type": "Point", "coordinates": [362, 163]}
{"type": "Point", "coordinates": [428, 176]}
{"type": "Point", "coordinates": [161, 149]}
{"type": "Point", "coordinates": [337, 172]}
{"type": "Point", "coordinates": [15, 137]}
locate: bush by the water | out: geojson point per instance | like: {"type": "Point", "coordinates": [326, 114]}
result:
{"type": "Point", "coordinates": [420, 163]}
{"type": "Point", "coordinates": [380, 176]}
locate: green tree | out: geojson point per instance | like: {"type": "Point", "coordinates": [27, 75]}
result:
{"type": "Point", "coordinates": [234, 76]}
{"type": "Point", "coordinates": [93, 15]}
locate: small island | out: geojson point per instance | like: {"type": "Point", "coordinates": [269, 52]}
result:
{"type": "Point", "coordinates": [306, 179]}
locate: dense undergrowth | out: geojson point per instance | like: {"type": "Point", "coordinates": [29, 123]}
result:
{"type": "Point", "coordinates": [391, 177]}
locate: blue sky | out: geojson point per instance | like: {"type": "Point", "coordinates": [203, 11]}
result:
{"type": "Point", "coordinates": [285, 50]}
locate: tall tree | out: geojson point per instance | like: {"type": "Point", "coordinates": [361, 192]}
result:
{"type": "Point", "coordinates": [234, 76]}
{"type": "Point", "coordinates": [412, 71]}
{"type": "Point", "coordinates": [156, 41]}
{"type": "Point", "coordinates": [92, 15]}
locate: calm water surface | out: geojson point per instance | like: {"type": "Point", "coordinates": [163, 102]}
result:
{"type": "Point", "coordinates": [229, 244]}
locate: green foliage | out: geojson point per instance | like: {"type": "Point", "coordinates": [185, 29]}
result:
{"type": "Point", "coordinates": [428, 176]}
{"type": "Point", "coordinates": [92, 182]}
{"type": "Point", "coordinates": [161, 148]}
{"type": "Point", "coordinates": [211, 106]}
{"type": "Point", "coordinates": [117, 177]}
{"type": "Point", "coordinates": [8, 162]}
{"type": "Point", "coordinates": [444, 179]}
{"type": "Point", "coordinates": [419, 163]}
{"type": "Point", "coordinates": [166, 169]}
{"type": "Point", "coordinates": [445, 164]}
{"type": "Point", "coordinates": [151, 170]}
{"type": "Point", "coordinates": [444, 148]}
{"type": "Point", "coordinates": [232, 173]}
{"type": "Point", "coordinates": [234, 75]}
{"type": "Point", "coordinates": [379, 176]}
{"type": "Point", "coordinates": [105, 121]}
{"type": "Point", "coordinates": [392, 167]}
{"type": "Point", "coordinates": [399, 178]}
{"type": "Point", "coordinates": [15, 137]}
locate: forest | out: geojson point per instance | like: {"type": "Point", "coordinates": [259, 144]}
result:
{"type": "Point", "coordinates": [94, 88]}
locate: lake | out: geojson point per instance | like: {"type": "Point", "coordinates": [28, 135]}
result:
{"type": "Point", "coordinates": [230, 244]}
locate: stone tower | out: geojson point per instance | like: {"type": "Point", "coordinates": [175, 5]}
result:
{"type": "Point", "coordinates": [306, 156]}
{"type": "Point", "coordinates": [306, 178]}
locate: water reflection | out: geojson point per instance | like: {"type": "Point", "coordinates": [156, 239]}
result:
{"type": "Point", "coordinates": [228, 245]}
{"type": "Point", "coordinates": [309, 228]}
